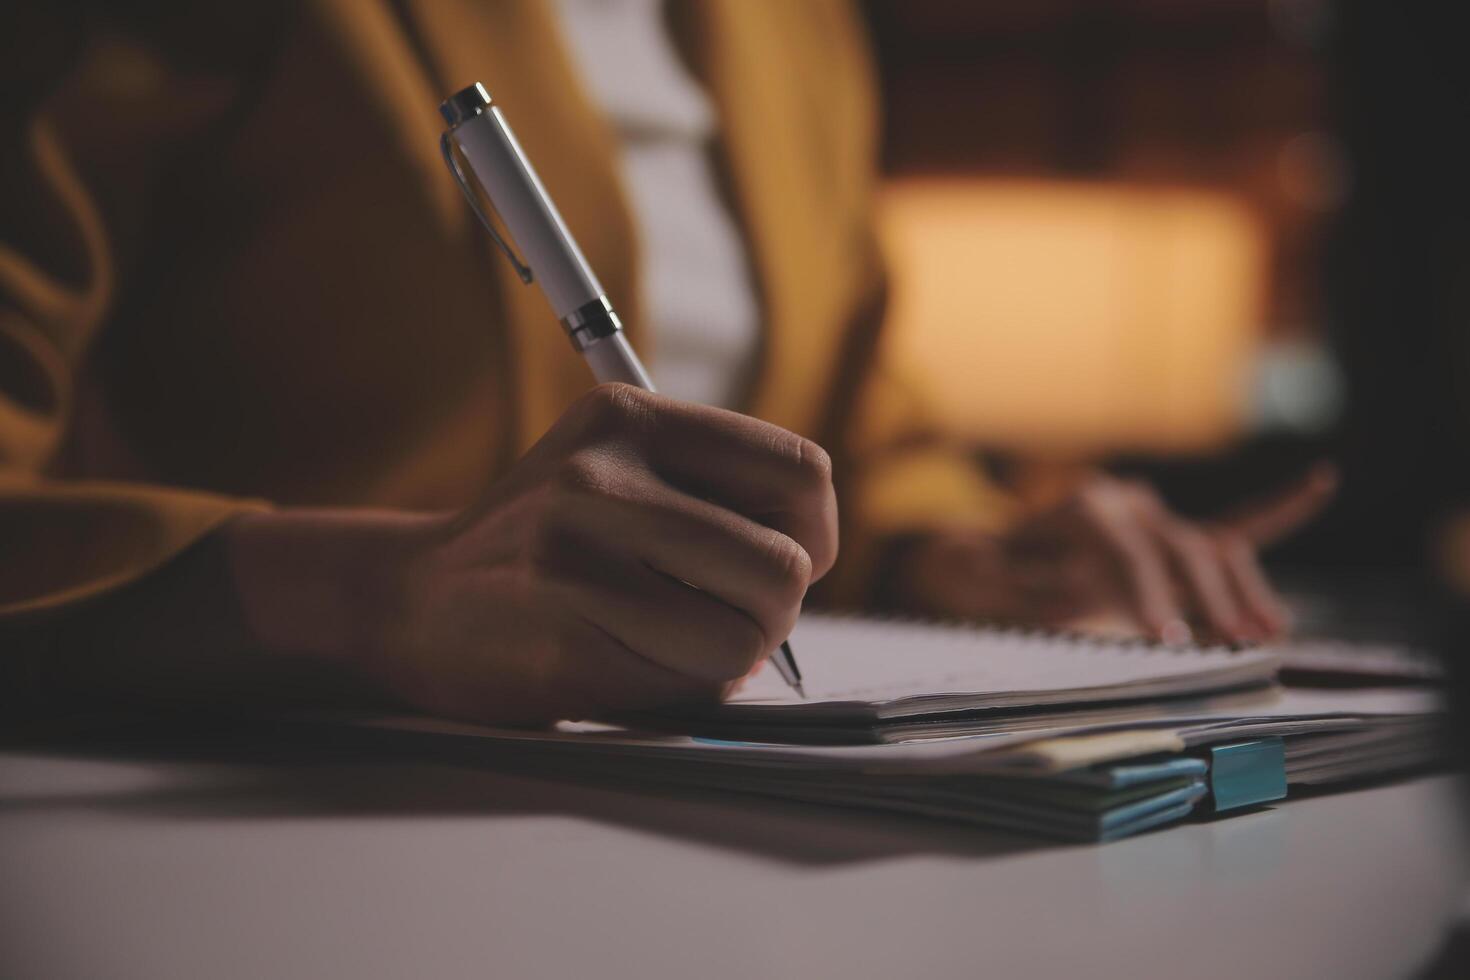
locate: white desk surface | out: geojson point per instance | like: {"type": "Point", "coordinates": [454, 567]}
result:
{"type": "Point", "coordinates": [146, 866]}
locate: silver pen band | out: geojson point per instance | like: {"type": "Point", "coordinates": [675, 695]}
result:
{"type": "Point", "coordinates": [591, 322]}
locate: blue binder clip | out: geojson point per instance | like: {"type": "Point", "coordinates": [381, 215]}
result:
{"type": "Point", "coordinates": [1246, 773]}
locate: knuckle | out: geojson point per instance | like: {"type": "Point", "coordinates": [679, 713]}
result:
{"type": "Point", "coordinates": [616, 408]}
{"type": "Point", "coordinates": [807, 461]}
{"type": "Point", "coordinates": [584, 473]}
{"type": "Point", "coordinates": [813, 462]}
{"type": "Point", "coordinates": [791, 567]}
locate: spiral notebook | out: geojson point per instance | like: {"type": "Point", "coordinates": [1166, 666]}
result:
{"type": "Point", "coordinates": [877, 680]}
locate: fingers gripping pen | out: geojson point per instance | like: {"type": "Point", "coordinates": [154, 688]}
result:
{"type": "Point", "coordinates": [549, 254]}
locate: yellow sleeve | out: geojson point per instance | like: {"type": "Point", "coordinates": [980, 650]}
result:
{"type": "Point", "coordinates": [63, 538]}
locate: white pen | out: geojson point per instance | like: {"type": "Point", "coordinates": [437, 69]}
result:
{"type": "Point", "coordinates": [551, 257]}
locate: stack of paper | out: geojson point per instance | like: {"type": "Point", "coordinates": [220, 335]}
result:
{"type": "Point", "coordinates": [1071, 739]}
{"type": "Point", "coordinates": [1041, 790]}
{"type": "Point", "coordinates": [1092, 783]}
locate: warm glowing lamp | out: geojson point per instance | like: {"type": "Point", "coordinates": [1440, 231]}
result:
{"type": "Point", "coordinates": [1075, 317]}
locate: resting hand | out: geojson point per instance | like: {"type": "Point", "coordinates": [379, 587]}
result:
{"type": "Point", "coordinates": [1115, 548]}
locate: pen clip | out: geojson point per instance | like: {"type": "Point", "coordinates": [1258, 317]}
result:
{"type": "Point", "coordinates": [522, 270]}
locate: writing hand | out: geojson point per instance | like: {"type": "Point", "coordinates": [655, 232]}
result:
{"type": "Point", "coordinates": [645, 551]}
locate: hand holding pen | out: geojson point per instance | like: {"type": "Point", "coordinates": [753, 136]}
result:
{"type": "Point", "coordinates": [553, 260]}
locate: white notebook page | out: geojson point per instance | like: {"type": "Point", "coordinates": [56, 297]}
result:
{"type": "Point", "coordinates": [878, 662]}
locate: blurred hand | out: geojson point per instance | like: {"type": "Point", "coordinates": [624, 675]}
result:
{"type": "Point", "coordinates": [1115, 549]}
{"type": "Point", "coordinates": [645, 551]}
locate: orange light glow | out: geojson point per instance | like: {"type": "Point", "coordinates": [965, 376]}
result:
{"type": "Point", "coordinates": [1075, 317]}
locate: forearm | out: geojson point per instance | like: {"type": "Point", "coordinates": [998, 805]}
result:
{"type": "Point", "coordinates": [273, 608]}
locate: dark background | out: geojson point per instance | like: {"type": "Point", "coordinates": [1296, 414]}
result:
{"type": "Point", "coordinates": [1340, 124]}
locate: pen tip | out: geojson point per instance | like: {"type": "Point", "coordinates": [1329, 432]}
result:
{"type": "Point", "coordinates": [800, 691]}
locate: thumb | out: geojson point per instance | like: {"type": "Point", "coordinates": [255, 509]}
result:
{"type": "Point", "coordinates": [1273, 518]}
